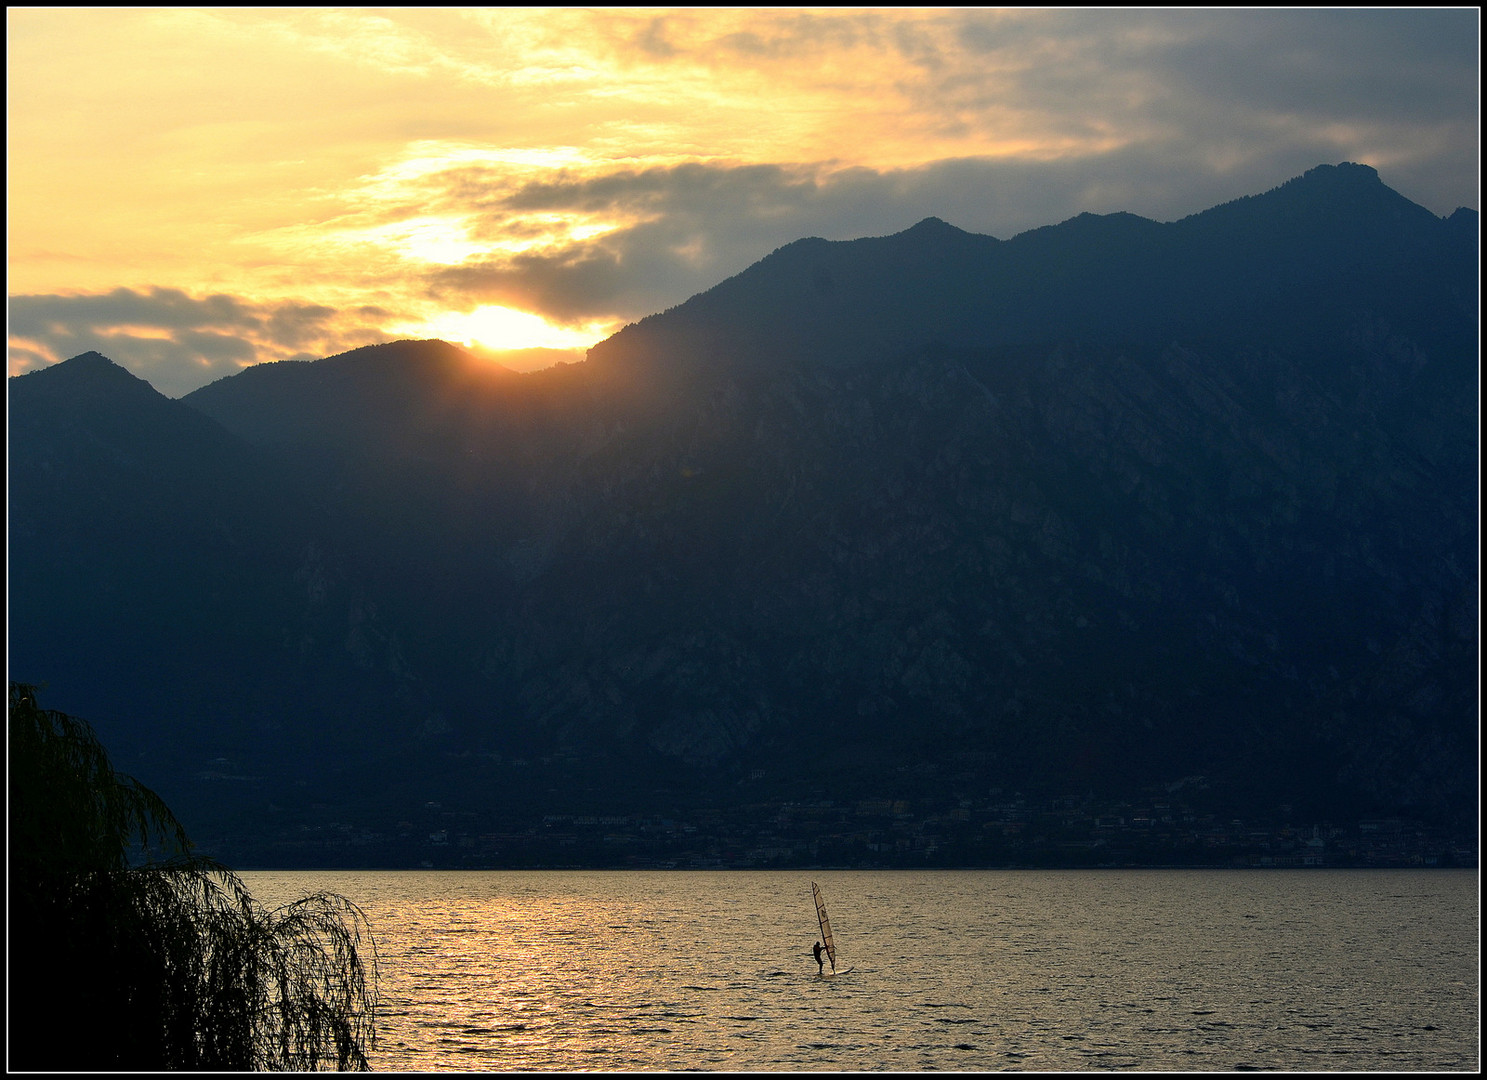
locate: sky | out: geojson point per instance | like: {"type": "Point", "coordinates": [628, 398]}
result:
{"type": "Point", "coordinates": [192, 191]}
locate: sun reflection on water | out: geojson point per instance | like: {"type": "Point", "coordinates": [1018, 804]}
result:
{"type": "Point", "coordinates": [970, 970]}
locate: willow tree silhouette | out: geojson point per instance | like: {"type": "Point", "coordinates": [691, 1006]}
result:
{"type": "Point", "coordinates": [126, 951]}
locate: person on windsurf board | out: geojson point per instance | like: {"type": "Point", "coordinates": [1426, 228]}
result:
{"type": "Point", "coordinates": [816, 948]}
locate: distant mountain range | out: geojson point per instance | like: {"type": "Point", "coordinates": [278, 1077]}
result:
{"type": "Point", "coordinates": [1103, 506]}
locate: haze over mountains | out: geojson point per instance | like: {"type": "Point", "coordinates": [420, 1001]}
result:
{"type": "Point", "coordinates": [1098, 508]}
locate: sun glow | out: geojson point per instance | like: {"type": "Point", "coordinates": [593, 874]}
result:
{"type": "Point", "coordinates": [502, 328]}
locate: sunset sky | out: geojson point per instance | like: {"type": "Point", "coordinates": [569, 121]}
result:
{"type": "Point", "coordinates": [195, 190]}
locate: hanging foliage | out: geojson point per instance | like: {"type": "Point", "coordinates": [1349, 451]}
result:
{"type": "Point", "coordinates": [127, 951]}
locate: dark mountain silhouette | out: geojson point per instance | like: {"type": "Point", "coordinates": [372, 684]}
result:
{"type": "Point", "coordinates": [158, 572]}
{"type": "Point", "coordinates": [1095, 508]}
{"type": "Point", "coordinates": [382, 395]}
{"type": "Point", "coordinates": [123, 522]}
{"type": "Point", "coordinates": [1280, 257]}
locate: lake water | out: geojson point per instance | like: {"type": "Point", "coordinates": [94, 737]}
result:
{"type": "Point", "coordinates": [950, 970]}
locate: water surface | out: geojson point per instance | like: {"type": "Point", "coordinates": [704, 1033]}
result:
{"type": "Point", "coordinates": [968, 970]}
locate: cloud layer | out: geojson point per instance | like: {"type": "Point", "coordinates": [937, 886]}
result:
{"type": "Point", "coordinates": [192, 191]}
{"type": "Point", "coordinates": [176, 342]}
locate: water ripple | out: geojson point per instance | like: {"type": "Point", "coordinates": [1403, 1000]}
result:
{"type": "Point", "coordinates": [1105, 970]}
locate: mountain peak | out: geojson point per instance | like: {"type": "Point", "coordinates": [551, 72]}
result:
{"type": "Point", "coordinates": [86, 364]}
{"type": "Point", "coordinates": [403, 351]}
{"type": "Point", "coordinates": [1347, 196]}
{"type": "Point", "coordinates": [89, 372]}
{"type": "Point", "coordinates": [90, 359]}
{"type": "Point", "coordinates": [933, 227]}
{"type": "Point", "coordinates": [1350, 172]}
{"type": "Point", "coordinates": [1346, 184]}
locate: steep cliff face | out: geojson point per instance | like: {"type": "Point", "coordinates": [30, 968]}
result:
{"type": "Point", "coordinates": [1103, 505]}
{"type": "Point", "coordinates": [1088, 563]}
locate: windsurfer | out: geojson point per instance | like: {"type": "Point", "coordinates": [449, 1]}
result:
{"type": "Point", "coordinates": [816, 948]}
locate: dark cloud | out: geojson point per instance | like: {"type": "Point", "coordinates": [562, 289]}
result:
{"type": "Point", "coordinates": [168, 309]}
{"type": "Point", "coordinates": [652, 40]}
{"type": "Point", "coordinates": [687, 187]}
{"type": "Point", "coordinates": [297, 324]}
{"type": "Point", "coordinates": [217, 349]}
{"type": "Point", "coordinates": [1228, 85]}
{"type": "Point", "coordinates": [1317, 60]}
{"type": "Point", "coordinates": [1405, 80]}
{"type": "Point", "coordinates": [565, 286]}
{"type": "Point", "coordinates": [697, 224]}
{"type": "Point", "coordinates": [1331, 65]}
{"type": "Point", "coordinates": [1160, 113]}
{"type": "Point", "coordinates": [175, 341]}
{"type": "Point", "coordinates": [784, 35]}
{"type": "Point", "coordinates": [803, 35]}
{"type": "Point", "coordinates": [692, 221]}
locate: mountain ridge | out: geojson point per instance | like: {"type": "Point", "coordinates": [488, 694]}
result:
{"type": "Point", "coordinates": [1026, 289]}
{"type": "Point", "coordinates": [1108, 554]}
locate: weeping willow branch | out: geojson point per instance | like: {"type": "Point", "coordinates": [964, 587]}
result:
{"type": "Point", "coordinates": [148, 956]}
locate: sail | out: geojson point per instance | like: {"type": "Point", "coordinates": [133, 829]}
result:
{"type": "Point", "coordinates": [825, 925]}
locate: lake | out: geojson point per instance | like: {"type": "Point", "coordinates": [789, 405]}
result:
{"type": "Point", "coordinates": [950, 970]}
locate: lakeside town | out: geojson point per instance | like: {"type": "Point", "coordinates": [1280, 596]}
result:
{"type": "Point", "coordinates": [1001, 830]}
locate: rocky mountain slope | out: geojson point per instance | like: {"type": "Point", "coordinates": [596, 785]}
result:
{"type": "Point", "coordinates": [1100, 506]}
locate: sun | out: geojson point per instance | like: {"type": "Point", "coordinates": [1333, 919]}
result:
{"type": "Point", "coordinates": [499, 329]}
